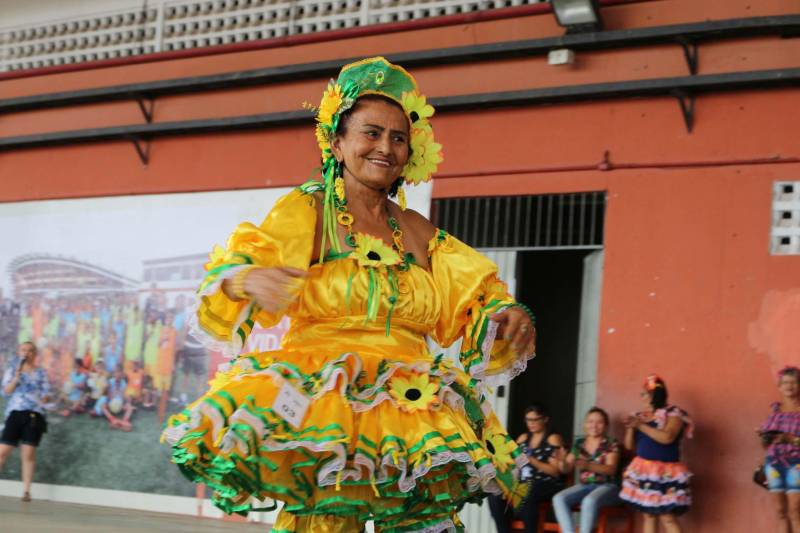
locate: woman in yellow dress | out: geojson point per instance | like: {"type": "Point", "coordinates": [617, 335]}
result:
{"type": "Point", "coordinates": [353, 419]}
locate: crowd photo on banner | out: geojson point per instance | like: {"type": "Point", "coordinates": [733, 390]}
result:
{"type": "Point", "coordinates": [108, 355]}
{"type": "Point", "coordinates": [110, 329]}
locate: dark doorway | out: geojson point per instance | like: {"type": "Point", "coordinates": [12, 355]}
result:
{"type": "Point", "coordinates": [550, 282]}
{"type": "Point", "coordinates": [552, 235]}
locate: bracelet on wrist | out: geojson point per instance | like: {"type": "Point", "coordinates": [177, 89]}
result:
{"type": "Point", "coordinates": [527, 311]}
{"type": "Point", "coordinates": [237, 283]}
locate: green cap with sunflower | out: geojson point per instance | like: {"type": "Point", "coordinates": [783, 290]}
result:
{"type": "Point", "coordinates": [376, 75]}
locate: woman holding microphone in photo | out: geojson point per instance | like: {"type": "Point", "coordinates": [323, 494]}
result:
{"type": "Point", "coordinates": [27, 389]}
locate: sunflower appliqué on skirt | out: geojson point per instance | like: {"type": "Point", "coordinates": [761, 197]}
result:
{"type": "Point", "coordinates": [391, 433]}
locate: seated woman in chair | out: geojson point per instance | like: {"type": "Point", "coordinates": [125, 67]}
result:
{"type": "Point", "coordinates": [596, 457]}
{"type": "Point", "coordinates": [544, 449]}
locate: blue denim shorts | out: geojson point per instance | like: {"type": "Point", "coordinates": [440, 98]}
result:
{"type": "Point", "coordinates": [783, 476]}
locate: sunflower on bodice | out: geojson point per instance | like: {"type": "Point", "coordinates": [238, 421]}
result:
{"type": "Point", "coordinates": [374, 252]}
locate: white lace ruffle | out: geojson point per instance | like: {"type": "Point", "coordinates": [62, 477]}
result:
{"type": "Point", "coordinates": [502, 376]}
{"type": "Point", "coordinates": [507, 374]}
{"type": "Point", "coordinates": [233, 347]}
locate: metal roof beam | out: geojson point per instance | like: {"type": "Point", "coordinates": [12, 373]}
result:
{"type": "Point", "coordinates": [679, 87]}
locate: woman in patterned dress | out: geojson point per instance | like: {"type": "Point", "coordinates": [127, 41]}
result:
{"type": "Point", "coordinates": [27, 389]}
{"type": "Point", "coordinates": [596, 457]}
{"type": "Point", "coordinates": [543, 450]}
{"type": "Point", "coordinates": [780, 434]}
{"type": "Point", "coordinates": [656, 483]}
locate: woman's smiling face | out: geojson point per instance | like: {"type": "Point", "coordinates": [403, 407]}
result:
{"type": "Point", "coordinates": [374, 146]}
{"type": "Point", "coordinates": [595, 424]}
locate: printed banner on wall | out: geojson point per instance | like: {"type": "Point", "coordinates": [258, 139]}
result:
{"type": "Point", "coordinates": [104, 288]}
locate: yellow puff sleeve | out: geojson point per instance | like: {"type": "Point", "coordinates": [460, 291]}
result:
{"type": "Point", "coordinates": [284, 238]}
{"type": "Point", "coordinates": [471, 293]}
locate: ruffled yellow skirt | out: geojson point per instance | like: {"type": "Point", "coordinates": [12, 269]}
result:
{"type": "Point", "coordinates": [405, 444]}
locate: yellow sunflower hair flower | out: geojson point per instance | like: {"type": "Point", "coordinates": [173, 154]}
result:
{"type": "Point", "coordinates": [501, 447]}
{"type": "Point", "coordinates": [331, 101]}
{"type": "Point", "coordinates": [413, 393]}
{"type": "Point", "coordinates": [322, 138]}
{"type": "Point", "coordinates": [426, 154]}
{"type": "Point", "coordinates": [418, 110]}
{"type": "Point", "coordinates": [373, 252]}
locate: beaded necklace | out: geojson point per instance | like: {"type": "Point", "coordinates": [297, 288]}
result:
{"type": "Point", "coordinates": [372, 253]}
{"type": "Point", "coordinates": [346, 219]}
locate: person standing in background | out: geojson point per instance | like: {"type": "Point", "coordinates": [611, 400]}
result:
{"type": "Point", "coordinates": [9, 324]}
{"type": "Point", "coordinates": [656, 483]}
{"type": "Point", "coordinates": [95, 340]}
{"type": "Point", "coordinates": [25, 331]}
{"type": "Point", "coordinates": [37, 319]}
{"type": "Point", "coordinates": [165, 364]}
{"type": "Point", "coordinates": [134, 336]}
{"type": "Point", "coordinates": [26, 386]}
{"type": "Point", "coordinates": [153, 338]}
{"type": "Point", "coordinates": [780, 434]}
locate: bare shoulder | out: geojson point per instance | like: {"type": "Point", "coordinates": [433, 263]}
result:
{"type": "Point", "coordinates": [555, 440]}
{"type": "Point", "coordinates": [522, 438]}
{"type": "Point", "coordinates": [418, 224]}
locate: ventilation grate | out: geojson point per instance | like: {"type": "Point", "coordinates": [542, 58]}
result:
{"type": "Point", "coordinates": [785, 235]}
{"type": "Point", "coordinates": [550, 221]}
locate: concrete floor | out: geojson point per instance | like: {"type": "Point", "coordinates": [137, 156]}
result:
{"type": "Point", "coordinates": [51, 517]}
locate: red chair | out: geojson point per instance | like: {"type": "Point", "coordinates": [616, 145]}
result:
{"type": "Point", "coordinates": [605, 515]}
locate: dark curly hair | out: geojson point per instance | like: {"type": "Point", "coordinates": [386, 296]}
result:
{"type": "Point", "coordinates": [659, 395]}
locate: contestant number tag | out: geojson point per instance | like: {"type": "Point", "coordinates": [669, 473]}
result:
{"type": "Point", "coordinates": [291, 405]}
{"type": "Point", "coordinates": [488, 339]}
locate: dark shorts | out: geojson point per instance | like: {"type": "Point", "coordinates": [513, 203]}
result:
{"type": "Point", "coordinates": [26, 427]}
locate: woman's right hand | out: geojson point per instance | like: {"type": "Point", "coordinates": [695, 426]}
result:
{"type": "Point", "coordinates": [273, 289]}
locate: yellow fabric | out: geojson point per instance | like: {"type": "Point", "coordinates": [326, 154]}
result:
{"type": "Point", "coordinates": [467, 282]}
{"type": "Point", "coordinates": [284, 238]}
{"type": "Point", "coordinates": [367, 445]}
{"type": "Point", "coordinates": [289, 523]}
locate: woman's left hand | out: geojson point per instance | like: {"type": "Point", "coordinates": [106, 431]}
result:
{"type": "Point", "coordinates": [516, 326]}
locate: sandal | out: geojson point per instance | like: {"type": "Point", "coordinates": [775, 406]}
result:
{"type": "Point", "coordinates": [26, 497]}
